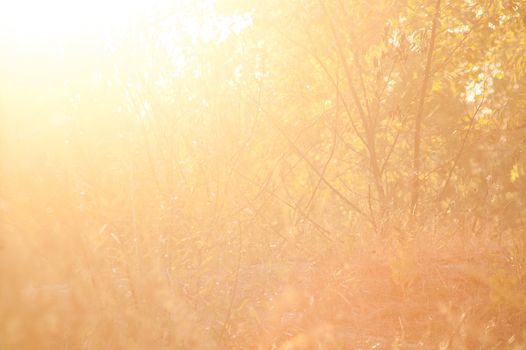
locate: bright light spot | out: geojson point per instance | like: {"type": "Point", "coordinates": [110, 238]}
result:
{"type": "Point", "coordinates": [474, 90]}
{"type": "Point", "coordinates": [34, 22]}
{"type": "Point", "coordinates": [39, 23]}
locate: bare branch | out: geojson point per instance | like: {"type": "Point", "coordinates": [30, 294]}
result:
{"type": "Point", "coordinates": [418, 120]}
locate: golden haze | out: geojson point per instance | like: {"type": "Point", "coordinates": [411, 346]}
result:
{"type": "Point", "coordinates": [299, 174]}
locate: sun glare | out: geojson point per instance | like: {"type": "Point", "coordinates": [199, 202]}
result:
{"type": "Point", "coordinates": [48, 45]}
{"type": "Point", "coordinates": [262, 174]}
{"type": "Point", "coordinates": [36, 24]}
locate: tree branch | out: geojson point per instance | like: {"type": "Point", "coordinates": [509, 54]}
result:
{"type": "Point", "coordinates": [418, 120]}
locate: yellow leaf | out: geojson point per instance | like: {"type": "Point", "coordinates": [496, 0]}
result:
{"type": "Point", "coordinates": [437, 86]}
{"type": "Point", "coordinates": [499, 75]}
{"type": "Point", "coordinates": [514, 174]}
{"type": "Point", "coordinates": [483, 121]}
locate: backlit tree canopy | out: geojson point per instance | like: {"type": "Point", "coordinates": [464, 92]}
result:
{"type": "Point", "coordinates": [234, 174]}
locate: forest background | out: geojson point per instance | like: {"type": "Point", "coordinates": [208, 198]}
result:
{"type": "Point", "coordinates": [268, 174]}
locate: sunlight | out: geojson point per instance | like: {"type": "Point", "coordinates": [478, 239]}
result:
{"type": "Point", "coordinates": [34, 23]}
{"type": "Point", "coordinates": [262, 174]}
{"type": "Point", "coordinates": [49, 44]}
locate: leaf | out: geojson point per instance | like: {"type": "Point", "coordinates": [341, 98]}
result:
{"type": "Point", "coordinates": [514, 173]}
{"type": "Point", "coordinates": [482, 121]}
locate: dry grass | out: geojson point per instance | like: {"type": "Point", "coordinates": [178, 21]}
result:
{"type": "Point", "coordinates": [457, 292]}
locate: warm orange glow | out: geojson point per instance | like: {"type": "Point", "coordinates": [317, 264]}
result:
{"type": "Point", "coordinates": [249, 174]}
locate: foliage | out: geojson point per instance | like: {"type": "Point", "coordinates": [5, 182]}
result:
{"type": "Point", "coordinates": [271, 187]}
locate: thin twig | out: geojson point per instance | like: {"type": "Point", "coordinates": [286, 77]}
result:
{"type": "Point", "coordinates": [460, 150]}
{"type": "Point", "coordinates": [420, 111]}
